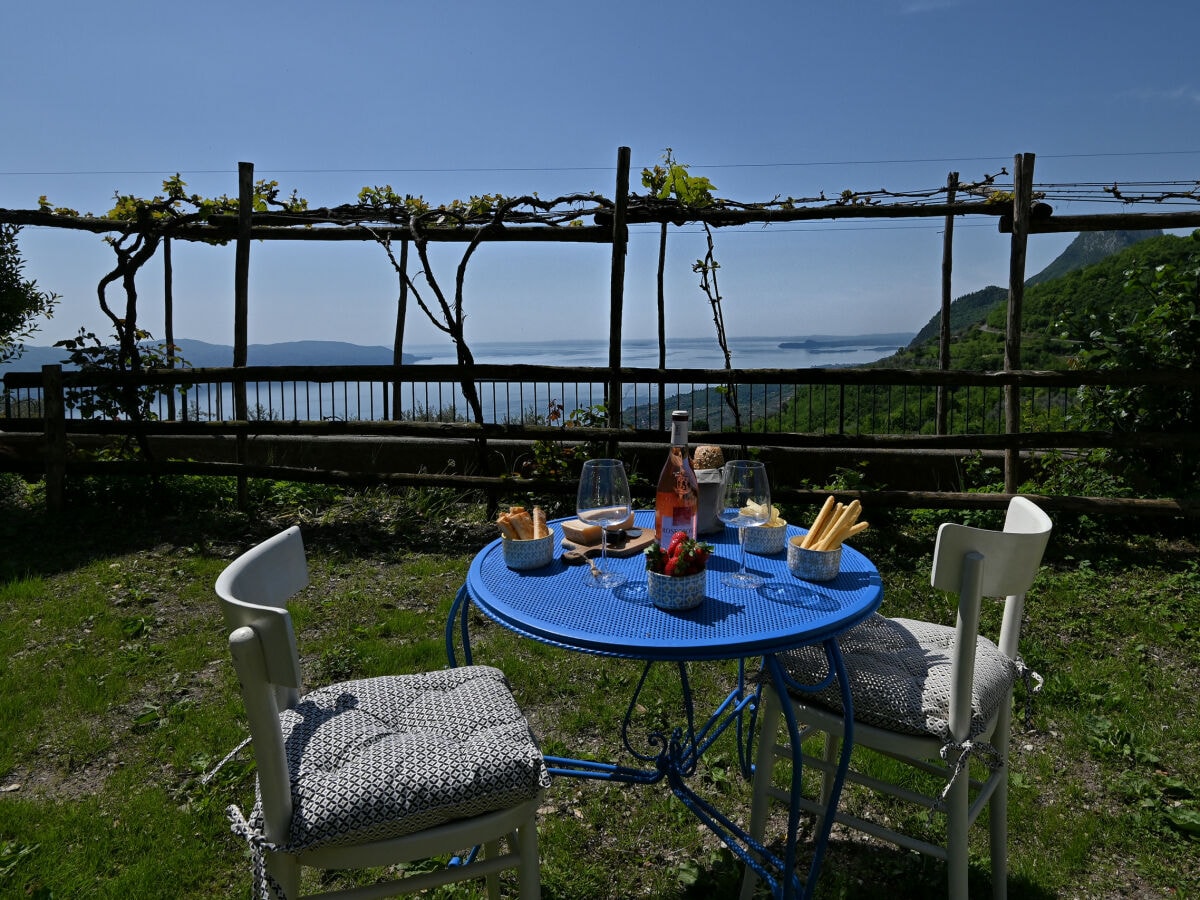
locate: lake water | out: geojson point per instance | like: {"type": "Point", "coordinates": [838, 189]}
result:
{"type": "Point", "coordinates": [685, 353]}
{"type": "Point", "coordinates": [517, 401]}
{"type": "Point", "coordinates": [289, 401]}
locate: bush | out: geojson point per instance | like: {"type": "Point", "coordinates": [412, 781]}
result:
{"type": "Point", "coordinates": [20, 300]}
{"type": "Point", "coordinates": [1162, 331]}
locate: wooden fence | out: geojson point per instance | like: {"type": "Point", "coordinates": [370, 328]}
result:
{"type": "Point", "coordinates": [432, 449]}
{"type": "Point", "coordinates": [40, 429]}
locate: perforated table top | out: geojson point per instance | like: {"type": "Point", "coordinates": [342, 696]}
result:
{"type": "Point", "coordinates": [554, 604]}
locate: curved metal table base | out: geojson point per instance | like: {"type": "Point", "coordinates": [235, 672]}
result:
{"type": "Point", "coordinates": [680, 751]}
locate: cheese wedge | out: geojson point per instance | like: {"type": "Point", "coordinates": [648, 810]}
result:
{"type": "Point", "coordinates": [581, 533]}
{"type": "Point", "coordinates": [578, 532]}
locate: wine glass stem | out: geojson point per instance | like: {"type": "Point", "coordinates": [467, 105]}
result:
{"type": "Point", "coordinates": [603, 548]}
{"type": "Point", "coordinates": [742, 549]}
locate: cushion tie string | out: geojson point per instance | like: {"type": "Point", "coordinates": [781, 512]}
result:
{"type": "Point", "coordinates": [1033, 683]}
{"type": "Point", "coordinates": [265, 885]}
{"type": "Point", "coordinates": [982, 750]}
{"type": "Point", "coordinates": [212, 773]}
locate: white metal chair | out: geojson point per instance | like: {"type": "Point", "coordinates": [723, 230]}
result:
{"type": "Point", "coordinates": [928, 695]}
{"type": "Point", "coordinates": [378, 771]}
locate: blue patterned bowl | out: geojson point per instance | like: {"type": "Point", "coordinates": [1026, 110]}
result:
{"type": "Point", "coordinates": [766, 540]}
{"type": "Point", "coordinates": [670, 592]}
{"type": "Point", "coordinates": [531, 554]}
{"type": "Point", "coordinates": [813, 565]}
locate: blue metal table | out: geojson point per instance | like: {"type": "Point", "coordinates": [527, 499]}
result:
{"type": "Point", "coordinates": [554, 605]}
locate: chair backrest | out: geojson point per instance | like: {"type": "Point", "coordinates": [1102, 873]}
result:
{"type": "Point", "coordinates": [253, 591]}
{"type": "Point", "coordinates": [1012, 556]}
{"type": "Point", "coordinates": [976, 563]}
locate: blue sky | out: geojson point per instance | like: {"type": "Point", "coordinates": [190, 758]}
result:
{"type": "Point", "coordinates": [451, 99]}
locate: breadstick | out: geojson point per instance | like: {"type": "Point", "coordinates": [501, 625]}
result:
{"type": "Point", "coordinates": [838, 537]}
{"type": "Point", "coordinates": [818, 524]}
{"type": "Point", "coordinates": [843, 523]}
{"type": "Point", "coordinates": [539, 522]}
{"type": "Point", "coordinates": [856, 529]}
{"type": "Point", "coordinates": [524, 525]}
{"type": "Point", "coordinates": [516, 524]}
{"type": "Point", "coordinates": [847, 518]}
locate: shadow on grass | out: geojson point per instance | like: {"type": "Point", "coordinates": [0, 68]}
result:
{"type": "Point", "coordinates": [115, 518]}
{"type": "Point", "coordinates": [857, 871]}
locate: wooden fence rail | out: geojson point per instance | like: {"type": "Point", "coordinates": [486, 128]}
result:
{"type": "Point", "coordinates": [474, 456]}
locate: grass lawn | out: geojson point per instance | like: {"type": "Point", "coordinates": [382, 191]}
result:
{"type": "Point", "coordinates": [116, 695]}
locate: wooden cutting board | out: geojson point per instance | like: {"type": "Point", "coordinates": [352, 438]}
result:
{"type": "Point", "coordinates": [631, 547]}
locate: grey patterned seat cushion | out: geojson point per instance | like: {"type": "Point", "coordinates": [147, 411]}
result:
{"type": "Point", "coordinates": [380, 758]}
{"type": "Point", "coordinates": [900, 676]}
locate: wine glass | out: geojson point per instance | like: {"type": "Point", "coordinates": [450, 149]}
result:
{"type": "Point", "coordinates": [745, 503]}
{"type": "Point", "coordinates": [603, 500]}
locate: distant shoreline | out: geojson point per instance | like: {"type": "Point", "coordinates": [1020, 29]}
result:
{"type": "Point", "coordinates": [891, 341]}
{"type": "Point", "coordinates": [756, 352]}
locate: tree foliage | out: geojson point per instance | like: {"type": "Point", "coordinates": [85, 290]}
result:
{"type": "Point", "coordinates": [1159, 328]}
{"type": "Point", "coordinates": [146, 223]}
{"type": "Point", "coordinates": [1135, 311]}
{"type": "Point", "coordinates": [445, 308]}
{"type": "Point", "coordinates": [673, 181]}
{"type": "Point", "coordinates": [21, 301]}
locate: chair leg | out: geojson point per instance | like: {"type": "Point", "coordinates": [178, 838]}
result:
{"type": "Point", "coordinates": [956, 835]}
{"type": "Point", "coordinates": [286, 871]}
{"type": "Point", "coordinates": [833, 745]}
{"type": "Point", "coordinates": [998, 825]}
{"type": "Point", "coordinates": [491, 850]}
{"type": "Point", "coordinates": [529, 871]}
{"type": "Point", "coordinates": [998, 806]}
{"type": "Point", "coordinates": [764, 765]}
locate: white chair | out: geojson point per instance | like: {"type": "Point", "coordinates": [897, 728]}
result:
{"type": "Point", "coordinates": [928, 695]}
{"type": "Point", "coordinates": [378, 771]}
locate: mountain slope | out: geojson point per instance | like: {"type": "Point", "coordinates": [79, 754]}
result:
{"type": "Point", "coordinates": [201, 355]}
{"type": "Point", "coordinates": [1071, 304]}
{"type": "Point", "coordinates": [1087, 249]}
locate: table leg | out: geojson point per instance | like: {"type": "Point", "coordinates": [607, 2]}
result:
{"type": "Point", "coordinates": [674, 755]}
{"type": "Point", "coordinates": [459, 610]}
{"type": "Point", "coordinates": [786, 884]}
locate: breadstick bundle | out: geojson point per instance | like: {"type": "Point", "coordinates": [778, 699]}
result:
{"type": "Point", "coordinates": [836, 522]}
{"type": "Point", "coordinates": [519, 525]}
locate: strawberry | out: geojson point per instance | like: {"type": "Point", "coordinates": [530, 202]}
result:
{"type": "Point", "coordinates": [655, 558]}
{"type": "Point", "coordinates": [683, 556]}
{"type": "Point", "coordinates": [693, 562]}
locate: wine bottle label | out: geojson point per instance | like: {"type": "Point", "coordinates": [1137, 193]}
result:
{"type": "Point", "coordinates": [678, 518]}
{"type": "Point", "coordinates": [675, 505]}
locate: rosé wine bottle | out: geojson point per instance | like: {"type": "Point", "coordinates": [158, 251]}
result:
{"type": "Point", "coordinates": [677, 500]}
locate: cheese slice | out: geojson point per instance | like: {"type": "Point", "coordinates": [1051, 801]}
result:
{"type": "Point", "coordinates": [578, 532]}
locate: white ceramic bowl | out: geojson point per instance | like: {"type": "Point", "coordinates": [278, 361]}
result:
{"type": "Point", "coordinates": [813, 565]}
{"type": "Point", "coordinates": [766, 540]}
{"type": "Point", "coordinates": [532, 554]}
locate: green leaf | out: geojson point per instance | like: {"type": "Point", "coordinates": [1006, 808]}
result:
{"type": "Point", "coordinates": [1185, 819]}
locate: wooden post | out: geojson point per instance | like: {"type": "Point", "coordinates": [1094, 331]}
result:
{"type": "Point", "coordinates": [169, 323]}
{"type": "Point", "coordinates": [398, 340]}
{"type": "Point", "coordinates": [55, 417]}
{"type": "Point", "coordinates": [662, 325]}
{"type": "Point", "coordinates": [944, 334]}
{"type": "Point", "coordinates": [620, 241]}
{"type": "Point", "coordinates": [241, 309]}
{"type": "Point", "coordinates": [1022, 207]}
